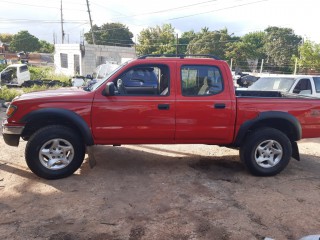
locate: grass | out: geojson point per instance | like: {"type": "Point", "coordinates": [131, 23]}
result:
{"type": "Point", "coordinates": [8, 93]}
{"type": "Point", "coordinates": [47, 73]}
{"type": "Point", "coordinates": [37, 88]}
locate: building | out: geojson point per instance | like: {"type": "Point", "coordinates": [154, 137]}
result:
{"type": "Point", "coordinates": [78, 59]}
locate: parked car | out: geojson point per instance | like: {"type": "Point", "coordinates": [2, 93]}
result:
{"type": "Point", "coordinates": [100, 73]}
{"type": "Point", "coordinates": [23, 57]}
{"type": "Point", "coordinates": [247, 80]}
{"type": "Point", "coordinates": [193, 102]}
{"type": "Point", "coordinates": [304, 84]}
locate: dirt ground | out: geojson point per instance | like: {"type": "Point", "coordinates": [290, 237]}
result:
{"type": "Point", "coordinates": [160, 192]}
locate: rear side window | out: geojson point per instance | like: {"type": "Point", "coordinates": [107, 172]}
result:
{"type": "Point", "coordinates": [24, 68]}
{"type": "Point", "coordinates": [317, 84]}
{"type": "Point", "coordinates": [201, 80]}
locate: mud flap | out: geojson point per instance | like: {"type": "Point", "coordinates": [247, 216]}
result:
{"type": "Point", "coordinates": [295, 151]}
{"type": "Point", "coordinates": [92, 160]}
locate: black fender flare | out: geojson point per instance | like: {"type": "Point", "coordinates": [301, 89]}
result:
{"type": "Point", "coordinates": [55, 113]}
{"type": "Point", "coordinates": [292, 120]}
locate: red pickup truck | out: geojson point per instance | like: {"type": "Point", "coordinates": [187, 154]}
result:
{"type": "Point", "coordinates": [161, 100]}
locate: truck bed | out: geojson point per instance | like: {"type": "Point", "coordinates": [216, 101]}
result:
{"type": "Point", "coordinates": [270, 94]}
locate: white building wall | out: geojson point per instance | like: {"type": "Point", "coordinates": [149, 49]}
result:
{"type": "Point", "coordinates": [90, 56]}
{"type": "Point", "coordinates": [70, 50]}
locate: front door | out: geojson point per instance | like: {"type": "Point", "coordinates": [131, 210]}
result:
{"type": "Point", "coordinates": [142, 111]}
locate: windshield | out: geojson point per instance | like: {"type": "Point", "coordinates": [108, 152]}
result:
{"type": "Point", "coordinates": [99, 83]}
{"type": "Point", "coordinates": [272, 84]}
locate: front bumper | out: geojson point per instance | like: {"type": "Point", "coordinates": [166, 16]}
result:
{"type": "Point", "coordinates": [11, 133]}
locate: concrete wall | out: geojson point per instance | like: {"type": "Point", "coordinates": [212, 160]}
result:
{"type": "Point", "coordinates": [90, 57]}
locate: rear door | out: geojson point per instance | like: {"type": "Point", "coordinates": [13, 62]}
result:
{"type": "Point", "coordinates": [205, 106]}
{"type": "Point", "coordinates": [137, 114]}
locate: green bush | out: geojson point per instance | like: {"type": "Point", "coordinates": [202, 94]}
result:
{"type": "Point", "coordinates": [8, 93]}
{"type": "Point", "coordinates": [47, 73]}
{"type": "Point", "coordinates": [37, 88]}
{"type": "Point", "coordinates": [3, 66]}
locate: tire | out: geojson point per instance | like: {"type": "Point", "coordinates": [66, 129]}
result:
{"type": "Point", "coordinates": [266, 152]}
{"type": "Point", "coordinates": [54, 152]}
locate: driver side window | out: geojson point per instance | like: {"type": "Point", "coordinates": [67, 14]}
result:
{"type": "Point", "coordinates": [143, 80]}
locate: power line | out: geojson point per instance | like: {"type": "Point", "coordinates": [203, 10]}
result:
{"type": "Point", "coordinates": [39, 6]}
{"type": "Point", "coordinates": [236, 6]}
{"type": "Point", "coordinates": [169, 9]}
{"type": "Point", "coordinates": [110, 9]}
{"type": "Point", "coordinates": [7, 20]}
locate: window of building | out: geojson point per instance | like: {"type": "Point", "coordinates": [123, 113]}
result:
{"type": "Point", "coordinates": [64, 60]}
{"type": "Point", "coordinates": [76, 59]}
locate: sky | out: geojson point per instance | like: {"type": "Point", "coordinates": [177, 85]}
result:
{"type": "Point", "coordinates": [43, 18]}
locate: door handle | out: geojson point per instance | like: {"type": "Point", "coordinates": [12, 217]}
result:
{"type": "Point", "coordinates": [220, 106]}
{"type": "Point", "coordinates": [163, 106]}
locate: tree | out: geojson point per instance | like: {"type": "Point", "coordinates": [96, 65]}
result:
{"type": "Point", "coordinates": [46, 47]}
{"type": "Point", "coordinates": [248, 47]}
{"type": "Point", "coordinates": [24, 41]}
{"type": "Point", "coordinates": [210, 42]}
{"type": "Point", "coordinates": [157, 40]}
{"type": "Point", "coordinates": [6, 37]}
{"type": "Point", "coordinates": [112, 34]}
{"type": "Point", "coordinates": [184, 41]}
{"type": "Point", "coordinates": [309, 56]}
{"type": "Point", "coordinates": [281, 44]}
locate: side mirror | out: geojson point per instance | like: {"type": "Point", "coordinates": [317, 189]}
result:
{"type": "Point", "coordinates": [110, 89]}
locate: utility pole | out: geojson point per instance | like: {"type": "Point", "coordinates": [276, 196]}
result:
{"type": "Point", "coordinates": [177, 43]}
{"type": "Point", "coordinates": [261, 67]}
{"type": "Point", "coordinates": [62, 32]}
{"type": "Point", "coordinates": [295, 67]}
{"type": "Point", "coordinates": [93, 39]}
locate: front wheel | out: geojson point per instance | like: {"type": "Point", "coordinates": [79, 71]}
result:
{"type": "Point", "coordinates": [266, 152]}
{"type": "Point", "coordinates": [54, 152]}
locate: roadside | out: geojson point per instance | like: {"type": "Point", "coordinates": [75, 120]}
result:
{"type": "Point", "coordinates": [160, 192]}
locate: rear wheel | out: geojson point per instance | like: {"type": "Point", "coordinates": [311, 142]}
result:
{"type": "Point", "coordinates": [54, 152]}
{"type": "Point", "coordinates": [266, 152]}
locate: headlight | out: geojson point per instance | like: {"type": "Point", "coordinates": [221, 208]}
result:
{"type": "Point", "coordinates": [11, 110]}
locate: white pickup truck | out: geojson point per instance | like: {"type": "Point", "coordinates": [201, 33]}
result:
{"type": "Point", "coordinates": [15, 75]}
{"type": "Point", "coordinates": [299, 84]}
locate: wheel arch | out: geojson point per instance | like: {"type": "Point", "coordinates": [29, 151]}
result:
{"type": "Point", "coordinates": [53, 116]}
{"type": "Point", "coordinates": [282, 121]}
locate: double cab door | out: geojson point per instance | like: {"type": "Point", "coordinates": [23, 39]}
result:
{"type": "Point", "coordinates": [165, 102]}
